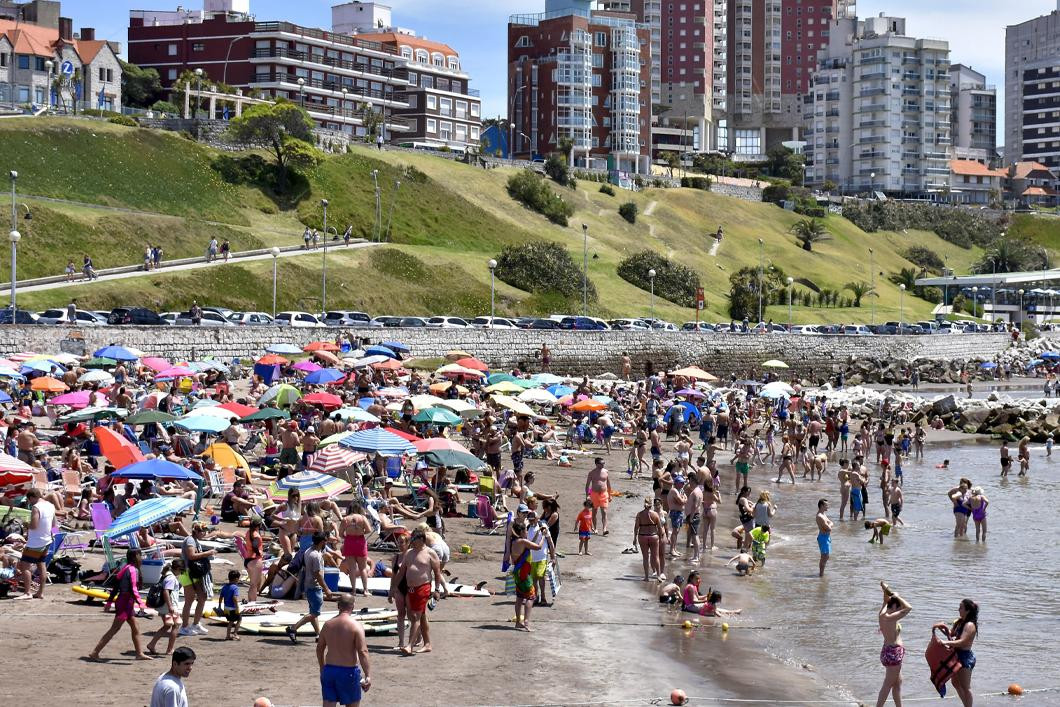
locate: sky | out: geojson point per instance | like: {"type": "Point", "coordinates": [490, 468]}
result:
{"type": "Point", "coordinates": [477, 28]}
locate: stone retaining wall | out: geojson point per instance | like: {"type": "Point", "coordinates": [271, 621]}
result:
{"type": "Point", "coordinates": [572, 352]}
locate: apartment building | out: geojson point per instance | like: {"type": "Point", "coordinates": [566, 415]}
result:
{"type": "Point", "coordinates": [51, 66]}
{"type": "Point", "coordinates": [878, 115]}
{"type": "Point", "coordinates": [973, 115]}
{"type": "Point", "coordinates": [579, 73]}
{"type": "Point", "coordinates": [972, 182]}
{"type": "Point", "coordinates": [1032, 90]}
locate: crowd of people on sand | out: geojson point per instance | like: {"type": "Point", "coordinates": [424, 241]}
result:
{"type": "Point", "coordinates": [679, 427]}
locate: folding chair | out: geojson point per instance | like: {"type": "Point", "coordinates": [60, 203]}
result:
{"type": "Point", "coordinates": [101, 519]}
{"type": "Point", "coordinates": [486, 514]}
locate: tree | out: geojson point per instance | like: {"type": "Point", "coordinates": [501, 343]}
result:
{"type": "Point", "coordinates": [285, 129]}
{"type": "Point", "coordinates": [743, 291]}
{"type": "Point", "coordinates": [785, 164]}
{"type": "Point", "coordinates": [810, 231]}
{"type": "Point", "coordinates": [907, 277]}
{"type": "Point", "coordinates": [556, 169]}
{"type": "Point", "coordinates": [371, 119]}
{"type": "Point", "coordinates": [671, 159]}
{"type": "Point", "coordinates": [860, 290]}
{"type": "Point", "coordinates": [628, 211]}
{"type": "Point", "coordinates": [1012, 255]}
{"type": "Point", "coordinates": [140, 88]}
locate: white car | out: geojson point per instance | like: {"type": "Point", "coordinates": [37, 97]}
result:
{"type": "Point", "coordinates": [250, 319]}
{"type": "Point", "coordinates": [447, 323]}
{"type": "Point", "coordinates": [856, 330]}
{"type": "Point", "coordinates": [169, 317]}
{"type": "Point", "coordinates": [660, 325]}
{"type": "Point", "coordinates": [492, 323]}
{"type": "Point", "coordinates": [81, 317]}
{"type": "Point", "coordinates": [700, 327]}
{"type": "Point", "coordinates": [805, 329]}
{"type": "Point", "coordinates": [209, 318]}
{"type": "Point", "coordinates": [297, 319]}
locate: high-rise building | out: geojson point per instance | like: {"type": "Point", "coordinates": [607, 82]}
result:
{"type": "Point", "coordinates": [1032, 91]}
{"type": "Point", "coordinates": [583, 74]}
{"type": "Point", "coordinates": [878, 113]}
{"type": "Point", "coordinates": [973, 115]}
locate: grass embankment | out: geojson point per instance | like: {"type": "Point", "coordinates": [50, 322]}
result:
{"type": "Point", "coordinates": [448, 221]}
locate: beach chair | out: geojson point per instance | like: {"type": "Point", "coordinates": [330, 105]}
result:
{"type": "Point", "coordinates": [101, 521]}
{"type": "Point", "coordinates": [228, 479]}
{"type": "Point", "coordinates": [487, 516]}
{"type": "Point", "coordinates": [71, 486]}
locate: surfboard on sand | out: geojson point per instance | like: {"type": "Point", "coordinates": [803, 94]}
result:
{"type": "Point", "coordinates": [380, 586]}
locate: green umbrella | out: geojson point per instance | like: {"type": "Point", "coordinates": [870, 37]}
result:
{"type": "Point", "coordinates": [437, 416]}
{"type": "Point", "coordinates": [93, 414]}
{"type": "Point", "coordinates": [100, 363]}
{"type": "Point", "coordinates": [145, 416]}
{"type": "Point", "coordinates": [267, 414]}
{"type": "Point", "coordinates": [495, 378]}
{"type": "Point", "coordinates": [454, 459]}
{"type": "Point", "coordinates": [423, 364]}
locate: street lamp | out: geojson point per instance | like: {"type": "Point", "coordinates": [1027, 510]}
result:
{"type": "Point", "coordinates": [651, 279]}
{"type": "Point", "coordinates": [275, 253]}
{"type": "Point", "coordinates": [761, 243]}
{"type": "Point", "coordinates": [345, 115]}
{"type": "Point", "coordinates": [48, 66]}
{"type": "Point", "coordinates": [872, 183]}
{"type": "Point", "coordinates": [975, 299]}
{"type": "Point", "coordinates": [377, 228]}
{"type": "Point", "coordinates": [791, 281]}
{"type": "Point", "coordinates": [585, 270]}
{"type": "Point", "coordinates": [301, 92]}
{"type": "Point", "coordinates": [390, 217]}
{"type": "Point", "coordinates": [1021, 307]}
{"type": "Point", "coordinates": [198, 99]}
{"type": "Point", "coordinates": [324, 267]}
{"type": "Point", "coordinates": [901, 306]}
{"type": "Point", "coordinates": [15, 237]}
{"type": "Point", "coordinates": [872, 283]}
{"type": "Point", "coordinates": [492, 265]}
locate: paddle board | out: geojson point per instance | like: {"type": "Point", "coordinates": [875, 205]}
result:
{"type": "Point", "coordinates": [254, 608]}
{"type": "Point", "coordinates": [90, 592]}
{"type": "Point", "coordinates": [307, 630]}
{"type": "Point", "coordinates": [206, 544]}
{"type": "Point", "coordinates": [380, 586]}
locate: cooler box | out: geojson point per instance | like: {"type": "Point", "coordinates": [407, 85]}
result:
{"type": "Point", "coordinates": [331, 578]}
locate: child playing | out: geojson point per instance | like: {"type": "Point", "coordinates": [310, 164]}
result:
{"type": "Point", "coordinates": [759, 542]}
{"type": "Point", "coordinates": [898, 469]}
{"type": "Point", "coordinates": [228, 605]}
{"type": "Point", "coordinates": [171, 613]}
{"type": "Point", "coordinates": [711, 608]}
{"type": "Point", "coordinates": [745, 564]}
{"type": "Point", "coordinates": [585, 527]}
{"type": "Point", "coordinates": [897, 499]}
{"type": "Point", "coordinates": [671, 593]}
{"type": "Point", "coordinates": [880, 527]}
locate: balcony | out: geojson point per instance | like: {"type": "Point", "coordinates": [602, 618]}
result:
{"type": "Point", "coordinates": [321, 35]}
{"type": "Point", "coordinates": [353, 92]}
{"type": "Point", "coordinates": [367, 69]}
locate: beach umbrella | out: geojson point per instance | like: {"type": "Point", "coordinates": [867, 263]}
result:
{"type": "Point", "coordinates": [1035, 362]}
{"type": "Point", "coordinates": [155, 363]}
{"type": "Point", "coordinates": [214, 410]}
{"type": "Point", "coordinates": [461, 407]}
{"type": "Point", "coordinates": [589, 405]}
{"type": "Point", "coordinates": [77, 399]}
{"type": "Point", "coordinates": [455, 369]}
{"type": "Point", "coordinates": [690, 393]}
{"type": "Point", "coordinates": [395, 346]}
{"type": "Point", "coordinates": [238, 409]}
{"type": "Point", "coordinates": [62, 358]}
{"type": "Point", "coordinates": [324, 376]}
{"type": "Point", "coordinates": [146, 513]}
{"type": "Point", "coordinates": [519, 408]}
{"type": "Point", "coordinates": [437, 416]}
{"type": "Point", "coordinates": [96, 376]}
{"type": "Point", "coordinates": [391, 364]}
{"type": "Point", "coordinates": [393, 391]}
{"type": "Point", "coordinates": [559, 390]}
{"type": "Point", "coordinates": [92, 413]}
{"type": "Point", "coordinates": [282, 349]}
{"type": "Point", "coordinates": [205, 403]}
{"type": "Point", "coordinates": [695, 372]}
{"type": "Point", "coordinates": [118, 353]}
{"type": "Point", "coordinates": [423, 364]}
{"type": "Point", "coordinates": [147, 416]}
{"type": "Point", "coordinates": [777, 389]}
{"type": "Point", "coordinates": [175, 372]}
{"type": "Point", "coordinates": [369, 360]}
{"type": "Point", "coordinates": [202, 423]}
{"type": "Point", "coordinates": [320, 346]}
{"type": "Point", "coordinates": [774, 364]}
{"type": "Point", "coordinates": [157, 469]}
{"type": "Point", "coordinates": [334, 458]}
{"type": "Point", "coordinates": [505, 387]}
{"type": "Point", "coordinates": [118, 450]}
{"type": "Point", "coordinates": [48, 384]}
{"type": "Point", "coordinates": [539, 396]}
{"type": "Point", "coordinates": [266, 414]}
{"type": "Point", "coordinates": [355, 415]}
{"type": "Point", "coordinates": [101, 363]}
{"type": "Point", "coordinates": [380, 351]}
{"type": "Point", "coordinates": [10, 464]}
{"type": "Point", "coordinates": [326, 356]}
{"type": "Point", "coordinates": [1049, 355]}
{"type": "Point", "coordinates": [437, 444]}
{"type": "Point", "coordinates": [312, 485]}
{"type": "Point", "coordinates": [226, 457]}
{"type": "Point", "coordinates": [283, 394]}
{"type": "Point", "coordinates": [307, 366]}
{"type": "Point", "coordinates": [41, 366]}
{"type": "Point", "coordinates": [273, 360]}
{"type": "Point", "coordinates": [546, 378]}
{"type": "Point", "coordinates": [472, 363]}
{"type": "Point", "coordinates": [333, 439]}
{"type": "Point", "coordinates": [15, 478]}
{"type": "Point", "coordinates": [9, 372]}
{"type": "Point", "coordinates": [4, 397]}
{"type": "Point", "coordinates": [379, 441]}
{"type": "Point", "coordinates": [685, 409]}
{"type": "Point", "coordinates": [454, 459]}
{"type": "Point", "coordinates": [421, 402]}
{"type": "Point", "coordinates": [495, 378]}
{"type": "Point", "coordinates": [456, 355]}
{"type": "Point", "coordinates": [988, 365]}
{"type": "Point", "coordinates": [403, 435]}
{"type": "Point", "coordinates": [326, 400]}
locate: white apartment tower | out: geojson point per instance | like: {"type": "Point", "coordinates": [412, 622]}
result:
{"type": "Point", "coordinates": [1032, 91]}
{"type": "Point", "coordinates": [973, 115]}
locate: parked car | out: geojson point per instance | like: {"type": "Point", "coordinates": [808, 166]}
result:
{"type": "Point", "coordinates": [539, 323]}
{"type": "Point", "coordinates": [209, 318]}
{"type": "Point", "coordinates": [223, 311]}
{"type": "Point", "coordinates": [629, 325]}
{"type": "Point", "coordinates": [342, 317]}
{"type": "Point", "coordinates": [582, 324]}
{"type": "Point", "coordinates": [385, 321]}
{"type": "Point", "coordinates": [139, 316]}
{"type": "Point", "coordinates": [493, 323]}
{"type": "Point", "coordinates": [297, 319]}
{"type": "Point", "coordinates": [806, 329]}
{"type": "Point", "coordinates": [251, 319]}
{"type": "Point", "coordinates": [930, 326]}
{"type": "Point", "coordinates": [413, 322]}
{"type": "Point", "coordinates": [447, 323]}
{"type": "Point", "coordinates": [660, 325]}
{"type": "Point", "coordinates": [856, 330]}
{"type": "Point", "coordinates": [21, 316]}
{"type": "Point", "coordinates": [81, 317]}
{"type": "Point", "coordinates": [700, 327]}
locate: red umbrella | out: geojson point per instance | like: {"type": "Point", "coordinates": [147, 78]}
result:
{"type": "Point", "coordinates": [239, 410]}
{"type": "Point", "coordinates": [472, 363]}
{"type": "Point", "coordinates": [334, 458]}
{"type": "Point", "coordinates": [435, 444]}
{"type": "Point", "coordinates": [272, 360]}
{"type": "Point", "coordinates": [321, 346]}
{"type": "Point", "coordinates": [14, 478]}
{"type": "Point", "coordinates": [14, 471]}
{"type": "Point", "coordinates": [388, 365]}
{"type": "Point", "coordinates": [117, 449]}
{"type": "Point", "coordinates": [326, 399]}
{"type": "Point", "coordinates": [402, 435]}
{"type": "Point", "coordinates": [155, 363]}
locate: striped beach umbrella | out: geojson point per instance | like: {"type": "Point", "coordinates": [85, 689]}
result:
{"type": "Point", "coordinates": [334, 458]}
{"type": "Point", "coordinates": [311, 484]}
{"type": "Point", "coordinates": [379, 441]}
{"type": "Point", "coordinates": [147, 513]}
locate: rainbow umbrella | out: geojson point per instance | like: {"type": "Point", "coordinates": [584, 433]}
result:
{"type": "Point", "coordinates": [312, 485]}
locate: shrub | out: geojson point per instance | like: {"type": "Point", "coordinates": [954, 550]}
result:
{"type": "Point", "coordinates": [628, 211]}
{"type": "Point", "coordinates": [166, 107]}
{"type": "Point", "coordinates": [607, 189]}
{"type": "Point", "coordinates": [743, 291]}
{"type": "Point", "coordinates": [123, 120]}
{"type": "Point", "coordinates": [533, 192]}
{"type": "Point", "coordinates": [696, 183]}
{"type": "Point", "coordinates": [930, 294]}
{"type": "Point", "coordinates": [958, 226]}
{"type": "Point", "coordinates": [776, 193]}
{"type": "Point", "coordinates": [556, 169]}
{"type": "Point", "coordinates": [541, 267]}
{"type": "Point", "coordinates": [97, 113]}
{"type": "Point", "coordinates": [925, 258]}
{"type": "Point", "coordinates": [673, 282]}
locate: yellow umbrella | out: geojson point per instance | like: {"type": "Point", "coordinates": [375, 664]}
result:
{"type": "Point", "coordinates": [437, 388]}
{"type": "Point", "coordinates": [694, 372]}
{"type": "Point", "coordinates": [774, 364]}
{"type": "Point", "coordinates": [225, 456]}
{"type": "Point", "coordinates": [519, 408]}
{"type": "Point", "coordinates": [456, 355]}
{"type": "Point", "coordinates": [505, 387]}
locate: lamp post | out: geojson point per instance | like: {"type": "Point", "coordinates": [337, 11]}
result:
{"type": "Point", "coordinates": [324, 266]}
{"type": "Point", "coordinates": [511, 124]}
{"type": "Point", "coordinates": [301, 92]}
{"type": "Point", "coordinates": [872, 183]}
{"type": "Point", "coordinates": [901, 306]}
{"type": "Point", "coordinates": [791, 281]}
{"type": "Point", "coordinates": [975, 300]}
{"type": "Point", "coordinates": [345, 115]}
{"type": "Point", "coordinates": [198, 98]}
{"type": "Point", "coordinates": [492, 265]}
{"type": "Point", "coordinates": [761, 244]}
{"type": "Point", "coordinates": [48, 66]}
{"type": "Point", "coordinates": [585, 270]}
{"type": "Point", "coordinates": [1021, 307]}
{"type": "Point", "coordinates": [390, 217]}
{"type": "Point", "coordinates": [14, 237]}
{"type": "Point", "coordinates": [651, 280]}
{"type": "Point", "coordinates": [275, 253]}
{"type": "Point", "coordinates": [376, 226]}
{"type": "Point", "coordinates": [872, 283]}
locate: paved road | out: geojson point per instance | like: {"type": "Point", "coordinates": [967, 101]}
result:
{"type": "Point", "coordinates": [236, 258]}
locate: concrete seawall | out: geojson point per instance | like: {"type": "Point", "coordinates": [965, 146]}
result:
{"type": "Point", "coordinates": [572, 352]}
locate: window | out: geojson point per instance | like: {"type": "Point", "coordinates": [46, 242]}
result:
{"type": "Point", "coordinates": [414, 78]}
{"type": "Point", "coordinates": [445, 106]}
{"type": "Point", "coordinates": [422, 56]}
{"type": "Point", "coordinates": [601, 39]}
{"type": "Point", "coordinates": [432, 103]}
{"type": "Point", "coordinates": [38, 94]}
{"type": "Point", "coordinates": [172, 49]}
{"type": "Point", "coordinates": [406, 53]}
{"type": "Point", "coordinates": [432, 126]}
{"type": "Point", "coordinates": [454, 63]}
{"type": "Point", "coordinates": [461, 132]}
{"type": "Point", "coordinates": [172, 74]}
{"type": "Point", "coordinates": [102, 74]}
{"type": "Point", "coordinates": [474, 132]}
{"type": "Point", "coordinates": [427, 81]}
{"type": "Point", "coordinates": [23, 61]}
{"type": "Point", "coordinates": [39, 61]}
{"type": "Point", "coordinates": [445, 130]}
{"type": "Point", "coordinates": [523, 41]}
{"type": "Point", "coordinates": [198, 47]}
{"type": "Point", "coordinates": [438, 59]}
{"type": "Point", "coordinates": [461, 109]}
{"type": "Point", "coordinates": [3, 59]}
{"type": "Point", "coordinates": [748, 142]}
{"type": "Point", "coordinates": [475, 110]}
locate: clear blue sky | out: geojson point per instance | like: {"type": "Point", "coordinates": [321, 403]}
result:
{"type": "Point", "coordinates": [476, 28]}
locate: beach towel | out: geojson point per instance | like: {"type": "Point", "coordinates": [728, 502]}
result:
{"type": "Point", "coordinates": [509, 583]}
{"type": "Point", "coordinates": [552, 574]}
{"type": "Point", "coordinates": [943, 663]}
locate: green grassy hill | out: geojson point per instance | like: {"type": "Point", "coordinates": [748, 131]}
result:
{"type": "Point", "coordinates": [448, 220]}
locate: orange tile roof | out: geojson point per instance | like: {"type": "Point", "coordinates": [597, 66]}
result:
{"type": "Point", "coordinates": [1024, 169]}
{"type": "Point", "coordinates": [1038, 191]}
{"type": "Point", "coordinates": [88, 49]}
{"type": "Point", "coordinates": [44, 41]}
{"type": "Point", "coordinates": [397, 39]}
{"type": "Point", "coordinates": [973, 169]}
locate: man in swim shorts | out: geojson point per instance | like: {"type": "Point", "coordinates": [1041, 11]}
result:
{"type": "Point", "coordinates": [824, 533]}
{"type": "Point", "coordinates": [743, 462]}
{"type": "Point", "coordinates": [342, 655]}
{"type": "Point", "coordinates": [598, 490]}
{"type": "Point", "coordinates": [419, 568]}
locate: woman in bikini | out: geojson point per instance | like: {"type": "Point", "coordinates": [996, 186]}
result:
{"type": "Point", "coordinates": [961, 636]}
{"type": "Point", "coordinates": [711, 499]}
{"type": "Point", "coordinates": [647, 527]}
{"type": "Point", "coordinates": [894, 609]}
{"type": "Point", "coordinates": [354, 530]}
{"type": "Point", "coordinates": [787, 461]}
{"type": "Point", "coordinates": [308, 525]}
{"type": "Point", "coordinates": [746, 509]}
{"type": "Point", "coordinates": [254, 558]}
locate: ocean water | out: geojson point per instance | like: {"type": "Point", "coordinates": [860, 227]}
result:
{"type": "Point", "coordinates": [829, 625]}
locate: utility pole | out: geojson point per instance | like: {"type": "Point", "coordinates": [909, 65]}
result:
{"type": "Point", "coordinates": [585, 270]}
{"type": "Point", "coordinates": [761, 244]}
{"type": "Point", "coordinates": [324, 267]}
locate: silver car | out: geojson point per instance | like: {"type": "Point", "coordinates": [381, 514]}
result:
{"type": "Point", "coordinates": [250, 319]}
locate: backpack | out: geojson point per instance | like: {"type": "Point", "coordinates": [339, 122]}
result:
{"type": "Point", "coordinates": [156, 595]}
{"type": "Point", "coordinates": [64, 570]}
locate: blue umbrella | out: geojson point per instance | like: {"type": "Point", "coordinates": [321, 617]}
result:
{"type": "Point", "coordinates": [380, 351]}
{"type": "Point", "coordinates": [147, 513]}
{"type": "Point", "coordinates": [4, 397]}
{"type": "Point", "coordinates": [365, 403]}
{"type": "Point", "coordinates": [157, 469]}
{"type": "Point", "coordinates": [546, 378]}
{"type": "Point", "coordinates": [41, 366]}
{"type": "Point", "coordinates": [1035, 362]}
{"type": "Point", "coordinates": [560, 390]}
{"type": "Point", "coordinates": [323, 376]}
{"type": "Point", "coordinates": [203, 423]}
{"type": "Point", "coordinates": [118, 353]}
{"type": "Point", "coordinates": [284, 349]}
{"type": "Point", "coordinates": [684, 409]}
{"type": "Point", "coordinates": [988, 364]}
{"type": "Point", "coordinates": [379, 441]}
{"type": "Point", "coordinates": [1049, 355]}
{"type": "Point", "coordinates": [396, 346]}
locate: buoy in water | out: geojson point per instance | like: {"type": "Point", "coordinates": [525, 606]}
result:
{"type": "Point", "coordinates": [1015, 689]}
{"type": "Point", "coordinates": [725, 627]}
{"type": "Point", "coordinates": [678, 697]}
{"type": "Point", "coordinates": [686, 625]}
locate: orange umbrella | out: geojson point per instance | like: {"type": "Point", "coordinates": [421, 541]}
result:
{"type": "Point", "coordinates": [388, 365]}
{"type": "Point", "coordinates": [272, 360]}
{"type": "Point", "coordinates": [48, 384]}
{"type": "Point", "coordinates": [326, 356]}
{"type": "Point", "coordinates": [472, 363]}
{"type": "Point", "coordinates": [437, 388]}
{"type": "Point", "coordinates": [117, 449]}
{"type": "Point", "coordinates": [321, 346]}
{"type": "Point", "coordinates": [589, 405]}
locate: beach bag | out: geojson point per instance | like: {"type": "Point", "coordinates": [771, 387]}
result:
{"type": "Point", "coordinates": [64, 570]}
{"type": "Point", "coordinates": [156, 595]}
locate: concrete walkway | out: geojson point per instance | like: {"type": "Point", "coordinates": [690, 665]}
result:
{"type": "Point", "coordinates": [52, 283]}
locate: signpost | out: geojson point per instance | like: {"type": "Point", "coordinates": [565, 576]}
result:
{"type": "Point", "coordinates": [701, 304]}
{"type": "Point", "coordinates": [67, 68]}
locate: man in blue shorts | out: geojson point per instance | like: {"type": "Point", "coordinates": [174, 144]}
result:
{"type": "Point", "coordinates": [342, 655]}
{"type": "Point", "coordinates": [824, 533]}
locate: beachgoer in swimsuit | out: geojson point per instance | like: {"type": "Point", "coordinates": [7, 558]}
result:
{"type": "Point", "coordinates": [961, 636]}
{"type": "Point", "coordinates": [977, 504]}
{"type": "Point", "coordinates": [894, 609]}
{"type": "Point", "coordinates": [647, 528]}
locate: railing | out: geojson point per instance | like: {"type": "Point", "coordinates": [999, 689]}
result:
{"type": "Point", "coordinates": [324, 36]}
{"type": "Point", "coordinates": [353, 91]}
{"type": "Point", "coordinates": [311, 57]}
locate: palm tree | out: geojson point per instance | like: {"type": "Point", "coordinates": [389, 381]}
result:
{"type": "Point", "coordinates": [860, 289]}
{"type": "Point", "coordinates": [907, 277]}
{"type": "Point", "coordinates": [810, 231]}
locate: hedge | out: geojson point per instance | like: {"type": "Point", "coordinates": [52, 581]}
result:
{"type": "Point", "coordinates": [541, 267]}
{"type": "Point", "coordinates": [673, 282]}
